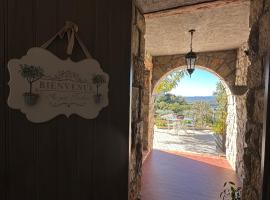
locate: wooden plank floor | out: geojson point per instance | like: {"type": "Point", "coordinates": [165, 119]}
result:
{"type": "Point", "coordinates": [184, 176]}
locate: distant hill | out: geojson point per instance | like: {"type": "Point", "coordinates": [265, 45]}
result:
{"type": "Point", "coordinates": [209, 99]}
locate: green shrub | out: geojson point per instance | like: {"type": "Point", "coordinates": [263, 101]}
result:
{"type": "Point", "coordinates": [160, 123]}
{"type": "Point", "coordinates": [188, 122]}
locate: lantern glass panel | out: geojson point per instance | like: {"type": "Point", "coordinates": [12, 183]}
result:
{"type": "Point", "coordinates": [190, 62]}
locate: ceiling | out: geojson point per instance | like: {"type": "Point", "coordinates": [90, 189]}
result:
{"type": "Point", "coordinates": [217, 28]}
{"type": "Point", "coordinates": [148, 6]}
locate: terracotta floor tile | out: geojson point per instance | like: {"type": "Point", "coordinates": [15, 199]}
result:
{"type": "Point", "coordinates": [182, 176]}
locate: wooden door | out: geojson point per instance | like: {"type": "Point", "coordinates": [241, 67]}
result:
{"type": "Point", "coordinates": [67, 158]}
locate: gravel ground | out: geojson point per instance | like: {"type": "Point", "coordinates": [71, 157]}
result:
{"type": "Point", "coordinates": [194, 141]}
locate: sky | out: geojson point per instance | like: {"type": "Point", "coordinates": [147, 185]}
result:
{"type": "Point", "coordinates": [201, 83]}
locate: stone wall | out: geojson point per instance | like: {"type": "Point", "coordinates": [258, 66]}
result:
{"type": "Point", "coordinates": [258, 47]}
{"type": "Point", "coordinates": [137, 120]}
{"type": "Point", "coordinates": [241, 118]}
{"type": "Point", "coordinates": [237, 116]}
{"type": "Point", "coordinates": [231, 131]}
{"type": "Point", "coordinates": [221, 63]}
{"type": "Point", "coordinates": [147, 136]}
{"type": "Point", "coordinates": [246, 107]}
{"type": "Point", "coordinates": [241, 110]}
{"type": "Point", "coordinates": [231, 66]}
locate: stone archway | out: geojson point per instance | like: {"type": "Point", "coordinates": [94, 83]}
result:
{"type": "Point", "coordinates": [221, 63]}
{"type": "Point", "coordinates": [182, 68]}
{"type": "Point", "coordinates": [248, 74]}
{"type": "Point", "coordinates": [226, 66]}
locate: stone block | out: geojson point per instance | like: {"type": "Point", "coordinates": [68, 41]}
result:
{"type": "Point", "coordinates": [135, 103]}
{"type": "Point", "coordinates": [215, 63]}
{"type": "Point", "coordinates": [225, 71]}
{"type": "Point", "coordinates": [135, 43]}
{"type": "Point", "coordinates": [264, 42]}
{"type": "Point", "coordinates": [256, 9]}
{"type": "Point", "coordinates": [258, 44]}
{"type": "Point", "coordinates": [254, 75]}
{"type": "Point", "coordinates": [259, 106]}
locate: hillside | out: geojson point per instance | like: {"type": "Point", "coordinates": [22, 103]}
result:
{"type": "Point", "coordinates": [209, 99]}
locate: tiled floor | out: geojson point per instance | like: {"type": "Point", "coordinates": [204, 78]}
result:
{"type": "Point", "coordinates": [184, 176]}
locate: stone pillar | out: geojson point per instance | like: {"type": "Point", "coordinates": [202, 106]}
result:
{"type": "Point", "coordinates": [138, 54]}
{"type": "Point", "coordinates": [237, 115]}
{"type": "Point", "coordinates": [146, 113]}
{"type": "Point", "coordinates": [146, 103]}
{"type": "Point", "coordinates": [243, 63]}
{"type": "Point", "coordinates": [151, 122]}
{"type": "Point", "coordinates": [259, 44]}
{"type": "Point", "coordinates": [231, 131]}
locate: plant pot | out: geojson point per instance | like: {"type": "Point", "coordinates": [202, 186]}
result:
{"type": "Point", "coordinates": [97, 98]}
{"type": "Point", "coordinates": [30, 98]}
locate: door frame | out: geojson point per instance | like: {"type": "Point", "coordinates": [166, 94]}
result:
{"type": "Point", "coordinates": [265, 162]}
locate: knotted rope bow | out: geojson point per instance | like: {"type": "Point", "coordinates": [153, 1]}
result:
{"type": "Point", "coordinates": [71, 30]}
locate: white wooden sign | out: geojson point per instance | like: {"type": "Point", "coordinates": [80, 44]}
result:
{"type": "Point", "coordinates": [43, 86]}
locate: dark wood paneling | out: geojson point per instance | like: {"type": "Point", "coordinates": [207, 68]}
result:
{"type": "Point", "coordinates": [46, 135]}
{"type": "Point", "coordinates": [3, 135]}
{"type": "Point", "coordinates": [21, 36]}
{"type": "Point", "coordinates": [67, 158]}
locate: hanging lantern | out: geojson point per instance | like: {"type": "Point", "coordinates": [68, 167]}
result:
{"type": "Point", "coordinates": [191, 57]}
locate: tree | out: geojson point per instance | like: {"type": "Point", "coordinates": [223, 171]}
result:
{"type": "Point", "coordinates": [170, 82]}
{"type": "Point", "coordinates": [176, 108]}
{"type": "Point", "coordinates": [170, 98]}
{"type": "Point", "coordinates": [170, 102]}
{"type": "Point", "coordinates": [221, 112]}
{"type": "Point", "coordinates": [98, 80]}
{"type": "Point", "coordinates": [31, 74]}
{"type": "Point", "coordinates": [202, 114]}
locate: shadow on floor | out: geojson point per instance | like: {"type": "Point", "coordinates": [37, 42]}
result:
{"type": "Point", "coordinates": [180, 176]}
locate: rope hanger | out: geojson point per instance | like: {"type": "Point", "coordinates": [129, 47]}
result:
{"type": "Point", "coordinates": [71, 30]}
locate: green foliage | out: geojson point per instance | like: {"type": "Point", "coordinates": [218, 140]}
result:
{"type": "Point", "coordinates": [160, 123]}
{"type": "Point", "coordinates": [202, 114]}
{"type": "Point", "coordinates": [170, 98]}
{"type": "Point", "coordinates": [170, 82]}
{"type": "Point", "coordinates": [98, 79]}
{"type": "Point", "coordinates": [176, 108]}
{"type": "Point", "coordinates": [163, 112]}
{"type": "Point", "coordinates": [221, 95]}
{"type": "Point", "coordinates": [170, 102]}
{"type": "Point", "coordinates": [31, 73]}
{"type": "Point", "coordinates": [221, 112]}
{"type": "Point", "coordinates": [230, 192]}
{"type": "Point", "coordinates": [188, 122]}
{"type": "Point", "coordinates": [220, 124]}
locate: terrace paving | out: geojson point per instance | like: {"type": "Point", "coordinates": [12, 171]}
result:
{"type": "Point", "coordinates": [184, 166]}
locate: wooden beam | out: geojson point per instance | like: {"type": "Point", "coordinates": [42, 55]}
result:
{"type": "Point", "coordinates": [194, 8]}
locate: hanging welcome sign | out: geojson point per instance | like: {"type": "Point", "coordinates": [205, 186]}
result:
{"type": "Point", "coordinates": [43, 86]}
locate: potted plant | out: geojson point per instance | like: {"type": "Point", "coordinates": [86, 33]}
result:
{"type": "Point", "coordinates": [230, 192]}
{"type": "Point", "coordinates": [31, 74]}
{"type": "Point", "coordinates": [98, 80]}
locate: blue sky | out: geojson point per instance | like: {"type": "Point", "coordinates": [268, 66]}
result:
{"type": "Point", "coordinates": [201, 83]}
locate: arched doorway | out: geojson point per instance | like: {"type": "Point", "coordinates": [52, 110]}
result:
{"type": "Point", "coordinates": [176, 166]}
{"type": "Point", "coordinates": [192, 106]}
{"type": "Point", "coordinates": [250, 74]}
{"type": "Point", "coordinates": [222, 64]}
